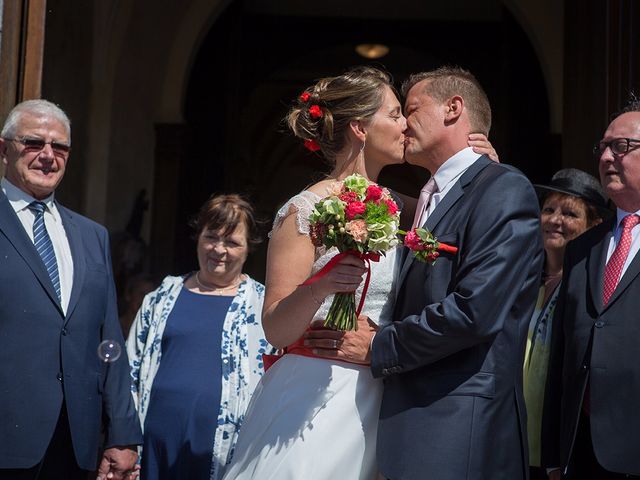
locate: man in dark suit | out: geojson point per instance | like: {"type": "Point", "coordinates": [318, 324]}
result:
{"type": "Point", "coordinates": [451, 360]}
{"type": "Point", "coordinates": [57, 304]}
{"type": "Point", "coordinates": [591, 420]}
{"type": "Point", "coordinates": [452, 406]}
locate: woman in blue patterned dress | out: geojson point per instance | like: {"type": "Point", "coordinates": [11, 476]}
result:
{"type": "Point", "coordinates": [196, 350]}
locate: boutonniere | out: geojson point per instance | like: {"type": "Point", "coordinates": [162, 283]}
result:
{"type": "Point", "coordinates": [425, 246]}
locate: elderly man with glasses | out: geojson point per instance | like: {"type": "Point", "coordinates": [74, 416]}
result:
{"type": "Point", "coordinates": [58, 398]}
{"type": "Point", "coordinates": [592, 422]}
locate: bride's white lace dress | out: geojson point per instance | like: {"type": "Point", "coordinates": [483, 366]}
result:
{"type": "Point", "coordinates": [312, 418]}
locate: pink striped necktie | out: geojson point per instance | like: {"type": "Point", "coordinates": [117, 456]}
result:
{"type": "Point", "coordinates": [613, 270]}
{"type": "Point", "coordinates": [423, 202]}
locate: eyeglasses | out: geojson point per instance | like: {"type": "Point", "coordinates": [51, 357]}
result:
{"type": "Point", "coordinates": [37, 144]}
{"type": "Point", "coordinates": [618, 146]}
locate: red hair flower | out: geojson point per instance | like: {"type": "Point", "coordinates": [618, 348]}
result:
{"type": "Point", "coordinates": [311, 145]}
{"type": "Point", "coordinates": [314, 111]}
{"type": "Point", "coordinates": [304, 97]}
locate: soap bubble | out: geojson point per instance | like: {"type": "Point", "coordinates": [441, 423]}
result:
{"type": "Point", "coordinates": [109, 351]}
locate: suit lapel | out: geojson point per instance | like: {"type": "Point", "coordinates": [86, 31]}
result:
{"type": "Point", "coordinates": [449, 200]}
{"type": "Point", "coordinates": [13, 230]}
{"type": "Point", "coordinates": [597, 261]}
{"type": "Point", "coordinates": [77, 254]}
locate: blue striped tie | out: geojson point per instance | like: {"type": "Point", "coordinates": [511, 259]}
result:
{"type": "Point", "coordinates": [42, 242]}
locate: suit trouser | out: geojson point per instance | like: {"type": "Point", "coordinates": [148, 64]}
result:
{"type": "Point", "coordinates": [583, 463]}
{"type": "Point", "coordinates": [59, 461]}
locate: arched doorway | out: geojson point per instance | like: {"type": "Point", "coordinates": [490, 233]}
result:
{"type": "Point", "coordinates": [252, 64]}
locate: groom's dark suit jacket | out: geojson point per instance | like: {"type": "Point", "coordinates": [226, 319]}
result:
{"type": "Point", "coordinates": [600, 344]}
{"type": "Point", "coordinates": [47, 357]}
{"type": "Point", "coordinates": [452, 359]}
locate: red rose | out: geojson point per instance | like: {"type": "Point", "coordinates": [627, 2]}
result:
{"type": "Point", "coordinates": [374, 193]}
{"type": "Point", "coordinates": [311, 145]}
{"type": "Point", "coordinates": [304, 96]}
{"type": "Point", "coordinates": [391, 205]}
{"type": "Point", "coordinates": [314, 111]}
{"type": "Point", "coordinates": [353, 209]}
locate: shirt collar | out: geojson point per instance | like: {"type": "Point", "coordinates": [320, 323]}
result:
{"type": "Point", "coordinates": [19, 199]}
{"type": "Point", "coordinates": [621, 214]}
{"type": "Point", "coordinates": [454, 166]}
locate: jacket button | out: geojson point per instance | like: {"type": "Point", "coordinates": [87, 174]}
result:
{"type": "Point", "coordinates": [59, 376]}
{"type": "Point", "coordinates": [584, 367]}
{"type": "Point", "coordinates": [64, 332]}
{"type": "Point", "coordinates": [599, 324]}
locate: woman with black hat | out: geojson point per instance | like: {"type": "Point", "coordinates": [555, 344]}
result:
{"type": "Point", "coordinates": [571, 203]}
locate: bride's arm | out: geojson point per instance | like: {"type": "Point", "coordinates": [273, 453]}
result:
{"type": "Point", "coordinates": [289, 306]}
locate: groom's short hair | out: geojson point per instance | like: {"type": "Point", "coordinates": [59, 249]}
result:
{"type": "Point", "coordinates": [445, 82]}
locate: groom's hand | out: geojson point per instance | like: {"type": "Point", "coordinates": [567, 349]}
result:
{"type": "Point", "coordinates": [352, 346]}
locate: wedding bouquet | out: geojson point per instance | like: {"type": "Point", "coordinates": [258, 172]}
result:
{"type": "Point", "coordinates": [424, 245]}
{"type": "Point", "coordinates": [358, 218]}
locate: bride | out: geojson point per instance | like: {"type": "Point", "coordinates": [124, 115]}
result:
{"type": "Point", "coordinates": [313, 417]}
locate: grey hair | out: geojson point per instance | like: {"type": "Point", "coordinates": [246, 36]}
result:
{"type": "Point", "coordinates": [42, 108]}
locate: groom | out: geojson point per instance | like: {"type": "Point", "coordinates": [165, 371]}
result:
{"type": "Point", "coordinates": [451, 359]}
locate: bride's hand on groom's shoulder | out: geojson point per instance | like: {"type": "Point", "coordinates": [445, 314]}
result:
{"type": "Point", "coordinates": [352, 346]}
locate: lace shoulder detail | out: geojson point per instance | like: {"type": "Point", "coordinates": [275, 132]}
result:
{"type": "Point", "coordinates": [302, 205]}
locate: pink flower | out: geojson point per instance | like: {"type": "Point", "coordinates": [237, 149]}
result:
{"type": "Point", "coordinates": [353, 209]}
{"type": "Point", "coordinates": [374, 193]}
{"type": "Point", "coordinates": [335, 189]}
{"type": "Point", "coordinates": [314, 111]}
{"type": "Point", "coordinates": [358, 230]}
{"type": "Point", "coordinates": [412, 240]}
{"type": "Point", "coordinates": [391, 205]}
{"type": "Point", "coordinates": [304, 96]}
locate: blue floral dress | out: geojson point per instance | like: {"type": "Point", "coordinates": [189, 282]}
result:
{"type": "Point", "coordinates": [241, 347]}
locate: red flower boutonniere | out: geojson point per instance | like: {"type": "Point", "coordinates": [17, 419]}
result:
{"type": "Point", "coordinates": [424, 245]}
{"type": "Point", "coordinates": [311, 145]}
{"type": "Point", "coordinates": [315, 111]}
{"type": "Point", "coordinates": [304, 97]}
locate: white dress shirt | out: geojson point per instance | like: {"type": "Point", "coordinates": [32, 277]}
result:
{"type": "Point", "coordinates": [617, 233]}
{"type": "Point", "coordinates": [448, 174]}
{"type": "Point", "coordinates": [20, 201]}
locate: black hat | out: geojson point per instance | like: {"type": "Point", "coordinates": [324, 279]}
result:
{"type": "Point", "coordinates": [578, 183]}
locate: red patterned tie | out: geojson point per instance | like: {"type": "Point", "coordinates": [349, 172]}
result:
{"type": "Point", "coordinates": [423, 201]}
{"type": "Point", "coordinates": [613, 270]}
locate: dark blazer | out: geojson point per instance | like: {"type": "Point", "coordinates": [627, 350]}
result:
{"type": "Point", "coordinates": [47, 358]}
{"type": "Point", "coordinates": [600, 344]}
{"type": "Point", "coordinates": [452, 406]}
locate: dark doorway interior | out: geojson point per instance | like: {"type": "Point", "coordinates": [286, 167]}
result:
{"type": "Point", "coordinates": [250, 66]}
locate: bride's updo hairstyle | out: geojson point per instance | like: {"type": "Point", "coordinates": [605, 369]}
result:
{"type": "Point", "coordinates": [323, 112]}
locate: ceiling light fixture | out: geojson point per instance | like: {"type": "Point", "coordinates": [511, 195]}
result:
{"type": "Point", "coordinates": [372, 50]}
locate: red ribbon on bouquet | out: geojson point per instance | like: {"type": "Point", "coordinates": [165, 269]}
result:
{"type": "Point", "coordinates": [298, 347]}
{"type": "Point", "coordinates": [368, 257]}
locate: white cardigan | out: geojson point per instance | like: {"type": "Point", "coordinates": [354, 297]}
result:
{"type": "Point", "coordinates": [243, 344]}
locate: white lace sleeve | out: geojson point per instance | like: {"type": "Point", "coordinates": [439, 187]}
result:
{"type": "Point", "coordinates": [302, 205]}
